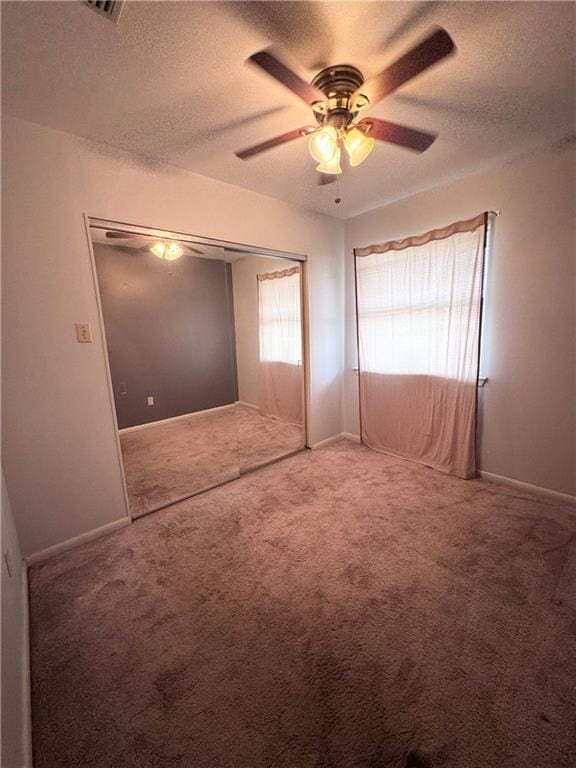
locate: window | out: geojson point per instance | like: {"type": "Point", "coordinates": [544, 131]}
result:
{"type": "Point", "coordinates": [279, 313]}
{"type": "Point", "coordinates": [415, 312]}
{"type": "Point", "coordinates": [419, 303]}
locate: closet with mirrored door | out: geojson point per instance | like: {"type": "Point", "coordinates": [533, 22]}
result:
{"type": "Point", "coordinates": [206, 349]}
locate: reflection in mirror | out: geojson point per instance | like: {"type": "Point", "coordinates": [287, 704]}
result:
{"type": "Point", "coordinates": [206, 361]}
{"type": "Point", "coordinates": [268, 329]}
{"type": "Point", "coordinates": [170, 339]}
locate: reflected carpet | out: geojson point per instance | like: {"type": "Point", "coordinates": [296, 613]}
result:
{"type": "Point", "coordinates": [166, 462]}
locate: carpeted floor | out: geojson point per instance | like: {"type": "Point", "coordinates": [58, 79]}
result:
{"type": "Point", "coordinates": [167, 462]}
{"type": "Point", "coordinates": [339, 609]}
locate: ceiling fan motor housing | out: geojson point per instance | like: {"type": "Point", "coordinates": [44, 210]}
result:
{"type": "Point", "coordinates": [338, 83]}
{"type": "Point", "coordinates": [338, 93]}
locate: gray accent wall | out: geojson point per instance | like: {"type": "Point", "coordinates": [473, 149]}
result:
{"type": "Point", "coordinates": [169, 331]}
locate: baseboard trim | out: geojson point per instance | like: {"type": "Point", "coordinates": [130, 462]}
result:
{"type": "Point", "coordinates": [248, 405]}
{"type": "Point", "coordinates": [335, 438]}
{"type": "Point", "coordinates": [161, 422]}
{"type": "Point", "coordinates": [46, 554]}
{"type": "Point", "coordinates": [565, 498]}
{"type": "Point", "coordinates": [26, 676]}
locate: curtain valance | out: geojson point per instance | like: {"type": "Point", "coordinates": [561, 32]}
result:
{"type": "Point", "coordinates": [281, 273]}
{"type": "Point", "coordinates": [436, 234]}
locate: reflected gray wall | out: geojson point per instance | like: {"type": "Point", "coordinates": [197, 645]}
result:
{"type": "Point", "coordinates": [170, 333]}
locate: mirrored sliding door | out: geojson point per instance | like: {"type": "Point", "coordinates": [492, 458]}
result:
{"type": "Point", "coordinates": [269, 354]}
{"type": "Point", "coordinates": [206, 360]}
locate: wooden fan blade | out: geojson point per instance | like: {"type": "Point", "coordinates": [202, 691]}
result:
{"type": "Point", "coordinates": [434, 48]}
{"type": "Point", "coordinates": [410, 138]}
{"type": "Point", "coordinates": [121, 235]}
{"type": "Point", "coordinates": [269, 62]}
{"type": "Point", "coordinates": [326, 178]}
{"type": "Point", "coordinates": [243, 154]}
{"type": "Point", "coordinates": [194, 250]}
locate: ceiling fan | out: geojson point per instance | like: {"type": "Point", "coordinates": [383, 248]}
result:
{"type": "Point", "coordinates": [166, 249]}
{"type": "Point", "coordinates": [339, 93]}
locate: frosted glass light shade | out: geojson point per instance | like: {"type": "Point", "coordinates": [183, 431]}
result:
{"type": "Point", "coordinates": [323, 144]}
{"type": "Point", "coordinates": [358, 145]}
{"type": "Point", "coordinates": [167, 251]}
{"type": "Point", "coordinates": [332, 166]}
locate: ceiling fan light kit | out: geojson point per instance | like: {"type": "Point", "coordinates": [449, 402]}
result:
{"type": "Point", "coordinates": [168, 251]}
{"type": "Point", "coordinates": [358, 145]}
{"type": "Point", "coordinates": [337, 94]}
{"type": "Point", "coordinates": [335, 117]}
{"type": "Point", "coordinates": [331, 166]}
{"type": "Point", "coordinates": [323, 144]}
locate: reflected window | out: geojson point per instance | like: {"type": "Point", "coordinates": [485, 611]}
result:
{"type": "Point", "coordinates": [279, 316]}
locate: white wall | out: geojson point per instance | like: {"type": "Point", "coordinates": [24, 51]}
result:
{"type": "Point", "coordinates": [246, 326]}
{"type": "Point", "coordinates": [529, 403]}
{"type": "Point", "coordinates": [60, 454]}
{"type": "Point", "coordinates": [15, 675]}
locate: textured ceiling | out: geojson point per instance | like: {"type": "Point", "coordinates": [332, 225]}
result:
{"type": "Point", "coordinates": [170, 84]}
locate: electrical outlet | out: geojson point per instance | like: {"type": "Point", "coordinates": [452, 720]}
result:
{"type": "Point", "coordinates": [83, 333]}
{"type": "Point", "coordinates": [150, 400]}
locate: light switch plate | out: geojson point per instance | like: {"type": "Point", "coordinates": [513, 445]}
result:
{"type": "Point", "coordinates": [83, 333]}
{"type": "Point", "coordinates": [150, 400]}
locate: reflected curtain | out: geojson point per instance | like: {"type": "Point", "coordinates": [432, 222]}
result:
{"type": "Point", "coordinates": [280, 336]}
{"type": "Point", "coordinates": [419, 310]}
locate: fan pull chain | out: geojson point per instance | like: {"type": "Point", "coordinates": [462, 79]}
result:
{"type": "Point", "coordinates": [337, 199]}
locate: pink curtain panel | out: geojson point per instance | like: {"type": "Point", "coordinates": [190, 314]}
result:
{"type": "Point", "coordinates": [419, 309]}
{"type": "Point", "coordinates": [280, 338]}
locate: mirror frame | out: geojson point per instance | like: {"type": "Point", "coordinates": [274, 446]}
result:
{"type": "Point", "coordinates": [109, 224]}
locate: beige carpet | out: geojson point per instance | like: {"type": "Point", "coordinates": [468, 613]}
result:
{"type": "Point", "coordinates": [339, 609]}
{"type": "Point", "coordinates": [262, 439]}
{"type": "Point", "coordinates": [167, 462]}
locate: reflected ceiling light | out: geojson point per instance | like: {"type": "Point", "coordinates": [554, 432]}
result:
{"type": "Point", "coordinates": [168, 251]}
{"type": "Point", "coordinates": [358, 145]}
{"type": "Point", "coordinates": [323, 144]}
{"type": "Point", "coordinates": [332, 165]}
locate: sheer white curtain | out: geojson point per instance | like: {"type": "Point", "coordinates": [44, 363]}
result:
{"type": "Point", "coordinates": [419, 303]}
{"type": "Point", "coordinates": [280, 333]}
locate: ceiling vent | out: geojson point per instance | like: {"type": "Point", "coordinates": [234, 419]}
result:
{"type": "Point", "coordinates": [109, 8]}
